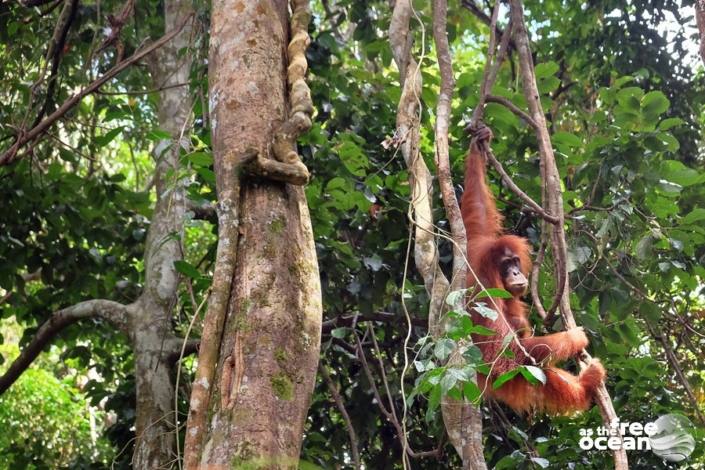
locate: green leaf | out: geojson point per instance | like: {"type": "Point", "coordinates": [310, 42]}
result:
{"type": "Point", "coordinates": [340, 333]}
{"type": "Point", "coordinates": [496, 292]}
{"type": "Point", "coordinates": [677, 172]}
{"type": "Point", "coordinates": [548, 84]}
{"type": "Point", "coordinates": [482, 330]}
{"type": "Point", "coordinates": [186, 269]}
{"type": "Point", "coordinates": [578, 256]}
{"type": "Point", "coordinates": [473, 355]}
{"type": "Point", "coordinates": [456, 298]}
{"type": "Point", "coordinates": [461, 327]}
{"type": "Point", "coordinates": [471, 391]}
{"type": "Point", "coordinates": [105, 139]}
{"type": "Point", "coordinates": [566, 138]}
{"type": "Point", "coordinates": [621, 81]}
{"type": "Point", "coordinates": [541, 462]}
{"type": "Point", "coordinates": [661, 206]}
{"type": "Point", "coordinates": [443, 348]}
{"type": "Point", "coordinates": [158, 134]}
{"type": "Point", "coordinates": [507, 339]}
{"type": "Point", "coordinates": [448, 381]}
{"type": "Point", "coordinates": [670, 142]}
{"type": "Point", "coordinates": [629, 99]}
{"type": "Point", "coordinates": [434, 399]}
{"type": "Point", "coordinates": [504, 378]}
{"type": "Point", "coordinates": [669, 123]}
{"type": "Point", "coordinates": [200, 159]}
{"type": "Point", "coordinates": [654, 104]}
{"type": "Point", "coordinates": [485, 311]}
{"type": "Point", "coordinates": [353, 158]}
{"type": "Point", "coordinates": [207, 175]}
{"type": "Point", "coordinates": [693, 216]}
{"type": "Point", "coordinates": [499, 114]}
{"type": "Point", "coordinates": [533, 374]}
{"type": "Point", "coordinates": [546, 69]}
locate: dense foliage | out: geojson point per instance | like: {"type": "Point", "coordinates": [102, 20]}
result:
{"type": "Point", "coordinates": [624, 94]}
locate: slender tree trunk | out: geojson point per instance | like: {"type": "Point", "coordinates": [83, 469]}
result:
{"type": "Point", "coordinates": [151, 331]}
{"type": "Point", "coordinates": [553, 203]}
{"type": "Point", "coordinates": [700, 21]}
{"type": "Point", "coordinates": [270, 343]}
{"type": "Point", "coordinates": [147, 321]}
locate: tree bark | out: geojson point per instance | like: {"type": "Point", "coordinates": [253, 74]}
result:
{"type": "Point", "coordinates": [700, 20]}
{"type": "Point", "coordinates": [463, 421]}
{"type": "Point", "coordinates": [147, 321]}
{"type": "Point", "coordinates": [150, 327]}
{"type": "Point", "coordinates": [268, 353]}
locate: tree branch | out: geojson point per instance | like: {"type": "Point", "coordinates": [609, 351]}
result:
{"type": "Point", "coordinates": [675, 365]}
{"type": "Point", "coordinates": [513, 108]}
{"type": "Point", "coordinates": [445, 180]}
{"type": "Point", "coordinates": [509, 182]}
{"type": "Point", "coordinates": [407, 133]}
{"type": "Point", "coordinates": [391, 413]}
{"type": "Point", "coordinates": [670, 355]}
{"type": "Point", "coordinates": [24, 137]}
{"type": "Point", "coordinates": [492, 64]}
{"type": "Point", "coordinates": [553, 201]}
{"type": "Point", "coordinates": [354, 446]}
{"type": "Point", "coordinates": [55, 52]}
{"type": "Point", "coordinates": [114, 312]}
{"type": "Point", "coordinates": [471, 6]}
{"type": "Point", "coordinates": [383, 317]}
{"type": "Point", "coordinates": [469, 444]}
{"type": "Point", "coordinates": [700, 20]}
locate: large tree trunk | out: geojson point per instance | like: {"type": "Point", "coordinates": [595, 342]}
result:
{"type": "Point", "coordinates": [151, 329]}
{"type": "Point", "coordinates": [269, 350]}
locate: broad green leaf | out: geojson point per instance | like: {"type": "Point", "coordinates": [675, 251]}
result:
{"type": "Point", "coordinates": [471, 391]}
{"type": "Point", "coordinates": [443, 348]}
{"type": "Point", "coordinates": [504, 378]}
{"type": "Point", "coordinates": [352, 156]}
{"type": "Point", "coordinates": [693, 216]}
{"type": "Point", "coordinates": [448, 381]}
{"type": "Point", "coordinates": [485, 311]}
{"type": "Point", "coordinates": [434, 398]}
{"type": "Point", "coordinates": [533, 374]}
{"type": "Point", "coordinates": [669, 123]}
{"type": "Point", "coordinates": [654, 103]}
{"type": "Point", "coordinates": [566, 138]}
{"type": "Point", "coordinates": [545, 69]}
{"type": "Point", "coordinates": [207, 174]}
{"type": "Point", "coordinates": [473, 355]}
{"type": "Point", "coordinates": [547, 85]}
{"type": "Point", "coordinates": [677, 172]}
{"type": "Point", "coordinates": [186, 269]}
{"type": "Point", "coordinates": [670, 142]}
{"type": "Point", "coordinates": [482, 330]}
{"type": "Point", "coordinates": [494, 292]}
{"type": "Point", "coordinates": [200, 158]}
{"type": "Point", "coordinates": [457, 297]}
{"type": "Point", "coordinates": [541, 462]}
{"type": "Point", "coordinates": [103, 140]}
{"type": "Point", "coordinates": [629, 99]}
{"type": "Point", "coordinates": [340, 333]}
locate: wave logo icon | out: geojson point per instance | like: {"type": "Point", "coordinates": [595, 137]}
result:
{"type": "Point", "coordinates": [672, 441]}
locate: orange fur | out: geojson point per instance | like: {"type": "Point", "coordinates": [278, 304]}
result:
{"type": "Point", "coordinates": [563, 391]}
